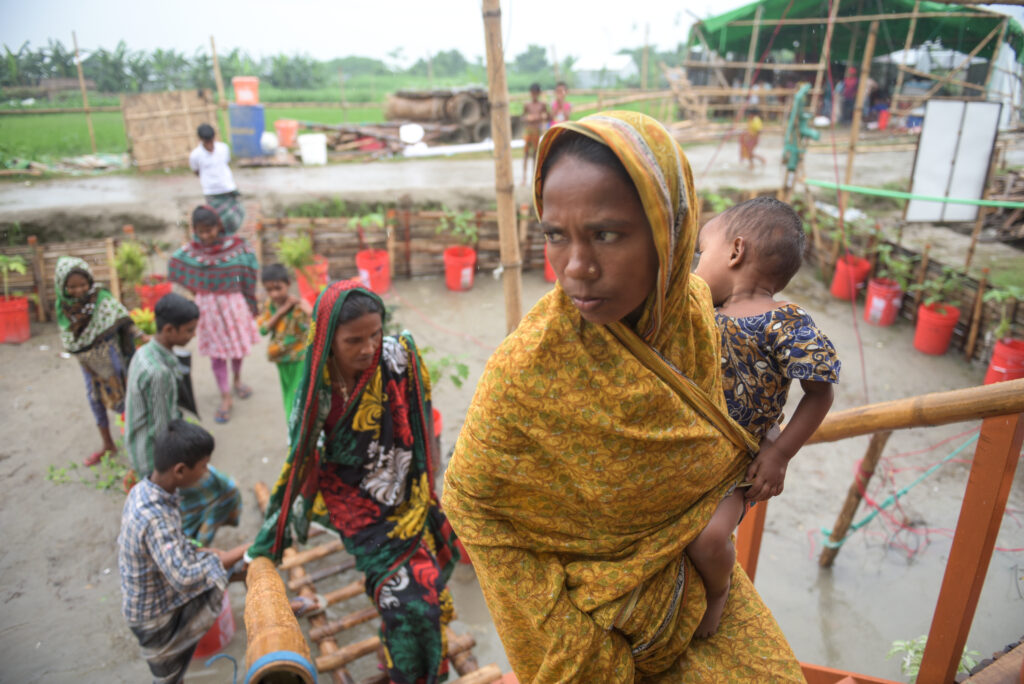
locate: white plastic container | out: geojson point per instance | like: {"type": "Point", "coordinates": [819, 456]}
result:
{"type": "Point", "coordinates": [313, 148]}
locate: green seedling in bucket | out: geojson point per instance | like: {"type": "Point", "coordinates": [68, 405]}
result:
{"type": "Point", "coordinates": [912, 650]}
{"type": "Point", "coordinates": [892, 267]}
{"type": "Point", "coordinates": [938, 290]}
{"type": "Point", "coordinates": [460, 224]}
{"type": "Point", "coordinates": [296, 253]}
{"type": "Point", "coordinates": [10, 264]}
{"type": "Point", "coordinates": [1004, 296]}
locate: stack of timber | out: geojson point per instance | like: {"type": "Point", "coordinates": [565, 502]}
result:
{"type": "Point", "coordinates": [327, 561]}
{"type": "Point", "coordinates": [1008, 224]}
{"type": "Point", "coordinates": [459, 115]}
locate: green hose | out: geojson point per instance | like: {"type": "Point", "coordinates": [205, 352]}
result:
{"type": "Point", "coordinates": [906, 195]}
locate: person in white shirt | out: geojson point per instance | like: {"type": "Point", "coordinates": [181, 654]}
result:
{"type": "Point", "coordinates": [210, 161]}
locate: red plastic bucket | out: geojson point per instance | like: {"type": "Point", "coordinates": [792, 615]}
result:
{"type": "Point", "coordinates": [851, 272]}
{"type": "Point", "coordinates": [149, 295]}
{"type": "Point", "coordinates": [1007, 361]}
{"type": "Point", "coordinates": [286, 129]}
{"type": "Point", "coordinates": [220, 634]}
{"type": "Point", "coordinates": [883, 301]}
{"type": "Point", "coordinates": [374, 269]}
{"type": "Point", "coordinates": [883, 119]}
{"type": "Point", "coordinates": [549, 273]}
{"type": "Point", "coordinates": [318, 272]}
{"type": "Point", "coordinates": [459, 263]}
{"type": "Point", "coordinates": [935, 323]}
{"type": "Point", "coordinates": [14, 326]}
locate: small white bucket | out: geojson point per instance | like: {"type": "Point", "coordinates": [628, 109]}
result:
{"type": "Point", "coordinates": [313, 148]}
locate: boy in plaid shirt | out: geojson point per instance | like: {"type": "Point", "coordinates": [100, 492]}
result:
{"type": "Point", "coordinates": [172, 592]}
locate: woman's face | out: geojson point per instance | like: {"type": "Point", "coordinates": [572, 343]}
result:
{"type": "Point", "coordinates": [599, 240]}
{"type": "Point", "coordinates": [207, 235]}
{"type": "Point", "coordinates": [356, 343]}
{"type": "Point", "coordinates": [76, 285]}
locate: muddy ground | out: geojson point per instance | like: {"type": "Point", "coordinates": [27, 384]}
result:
{"type": "Point", "coordinates": [60, 618]}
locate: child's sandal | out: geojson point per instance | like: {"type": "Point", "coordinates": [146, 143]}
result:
{"type": "Point", "coordinates": [243, 391]}
{"type": "Point", "coordinates": [222, 416]}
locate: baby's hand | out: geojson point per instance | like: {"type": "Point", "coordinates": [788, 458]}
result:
{"type": "Point", "coordinates": [767, 473]}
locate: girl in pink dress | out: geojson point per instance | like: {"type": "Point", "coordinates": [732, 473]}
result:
{"type": "Point", "coordinates": [221, 271]}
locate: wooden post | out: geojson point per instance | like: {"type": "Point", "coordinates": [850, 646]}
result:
{"type": "Point", "coordinates": [748, 538]}
{"type": "Point", "coordinates": [504, 183]}
{"type": "Point", "coordinates": [979, 221]}
{"type": "Point", "coordinates": [984, 502]}
{"type": "Point", "coordinates": [38, 278]}
{"type": "Point", "coordinates": [977, 313]}
{"type": "Point", "coordinates": [752, 51]}
{"type": "Point", "coordinates": [115, 280]}
{"type": "Point", "coordinates": [85, 95]}
{"type": "Point", "coordinates": [909, 43]}
{"type": "Point", "coordinates": [853, 497]}
{"type": "Point", "coordinates": [922, 275]}
{"type": "Point", "coordinates": [858, 108]}
{"type": "Point", "coordinates": [825, 62]}
{"type": "Point", "coordinates": [222, 103]}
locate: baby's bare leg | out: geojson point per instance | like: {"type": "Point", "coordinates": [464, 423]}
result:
{"type": "Point", "coordinates": [714, 555]}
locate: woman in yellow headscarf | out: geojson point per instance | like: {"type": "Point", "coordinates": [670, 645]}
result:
{"type": "Point", "coordinates": [597, 445]}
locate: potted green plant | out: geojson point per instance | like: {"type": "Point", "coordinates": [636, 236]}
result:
{"type": "Point", "coordinates": [14, 325]}
{"type": "Point", "coordinates": [310, 270]}
{"type": "Point", "coordinates": [936, 317]}
{"type": "Point", "coordinates": [459, 259]}
{"type": "Point", "coordinates": [374, 264]}
{"type": "Point", "coordinates": [885, 291]}
{"type": "Point", "coordinates": [1007, 362]}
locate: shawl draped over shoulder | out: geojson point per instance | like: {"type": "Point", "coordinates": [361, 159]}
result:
{"type": "Point", "coordinates": [592, 455]}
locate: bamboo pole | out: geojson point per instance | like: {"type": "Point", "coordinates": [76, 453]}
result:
{"type": "Point", "coordinates": [327, 645]}
{"type": "Point", "coordinates": [858, 109]}
{"type": "Point", "coordinates": [485, 675]}
{"type": "Point", "coordinates": [984, 503]}
{"type": "Point", "coordinates": [346, 654]}
{"type": "Point", "coordinates": [271, 628]}
{"type": "Point", "coordinates": [824, 63]}
{"type": "Point", "coordinates": [752, 50]}
{"type": "Point", "coordinates": [85, 95]}
{"type": "Point", "coordinates": [504, 183]}
{"type": "Point", "coordinates": [222, 102]}
{"type": "Point", "coordinates": [716, 70]}
{"type": "Point", "coordinates": [347, 622]}
{"type": "Point", "coordinates": [939, 408]}
{"type": "Point", "coordinates": [977, 313]}
{"type": "Point", "coordinates": [995, 54]}
{"type": "Point", "coordinates": [115, 280]}
{"type": "Point", "coordinates": [853, 497]}
{"type": "Point", "coordinates": [324, 573]}
{"type": "Point", "coordinates": [907, 44]}
{"type": "Point", "coordinates": [315, 553]}
{"type": "Point", "coordinates": [39, 278]}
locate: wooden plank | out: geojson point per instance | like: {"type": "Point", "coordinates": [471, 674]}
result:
{"type": "Point", "coordinates": [984, 502]}
{"type": "Point", "coordinates": [748, 538]}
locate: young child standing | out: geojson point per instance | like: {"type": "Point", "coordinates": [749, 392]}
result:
{"type": "Point", "coordinates": [535, 117]}
{"type": "Point", "coordinates": [209, 160]}
{"type": "Point", "coordinates": [560, 107]}
{"type": "Point", "coordinates": [748, 254]}
{"type": "Point", "coordinates": [221, 270]}
{"type": "Point", "coordinates": [97, 329]}
{"type": "Point", "coordinates": [285, 318]}
{"type": "Point", "coordinates": [171, 592]}
{"type": "Point", "coordinates": [152, 404]}
{"type": "Point", "coordinates": [750, 137]}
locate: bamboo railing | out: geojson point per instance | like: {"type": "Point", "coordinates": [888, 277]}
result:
{"type": "Point", "coordinates": [1001, 405]}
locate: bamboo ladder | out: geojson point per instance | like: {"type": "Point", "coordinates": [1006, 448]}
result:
{"type": "Point", "coordinates": [334, 658]}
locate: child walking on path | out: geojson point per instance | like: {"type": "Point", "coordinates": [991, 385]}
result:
{"type": "Point", "coordinates": [747, 254]}
{"type": "Point", "coordinates": [171, 592]}
{"type": "Point", "coordinates": [97, 329]}
{"type": "Point", "coordinates": [151, 406]}
{"type": "Point", "coordinates": [221, 271]}
{"type": "Point", "coordinates": [285, 318]}
{"type": "Point", "coordinates": [210, 161]}
{"type": "Point", "coordinates": [535, 118]}
{"type": "Point", "coordinates": [750, 137]}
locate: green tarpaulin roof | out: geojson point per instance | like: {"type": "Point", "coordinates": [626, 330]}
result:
{"type": "Point", "coordinates": [959, 33]}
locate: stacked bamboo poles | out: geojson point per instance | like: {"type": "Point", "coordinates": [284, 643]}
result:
{"type": "Point", "coordinates": [335, 658]}
{"type": "Point", "coordinates": [272, 630]}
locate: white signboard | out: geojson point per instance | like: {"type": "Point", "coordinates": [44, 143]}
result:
{"type": "Point", "coordinates": [953, 157]}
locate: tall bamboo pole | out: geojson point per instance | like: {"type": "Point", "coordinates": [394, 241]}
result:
{"type": "Point", "coordinates": [995, 54]}
{"type": "Point", "coordinates": [85, 95]}
{"type": "Point", "coordinates": [858, 107]}
{"type": "Point", "coordinates": [751, 51]}
{"type": "Point", "coordinates": [826, 56]}
{"type": "Point", "coordinates": [222, 102]}
{"type": "Point", "coordinates": [504, 183]}
{"type": "Point", "coordinates": [909, 43]}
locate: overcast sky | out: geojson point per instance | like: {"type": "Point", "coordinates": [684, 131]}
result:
{"type": "Point", "coordinates": [325, 29]}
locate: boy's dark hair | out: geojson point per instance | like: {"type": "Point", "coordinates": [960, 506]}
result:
{"type": "Point", "coordinates": [205, 132]}
{"type": "Point", "coordinates": [535, 87]}
{"type": "Point", "coordinates": [173, 309]}
{"type": "Point", "coordinates": [584, 148]}
{"type": "Point", "coordinates": [204, 216]}
{"type": "Point", "coordinates": [776, 236]}
{"type": "Point", "coordinates": [358, 304]}
{"type": "Point", "coordinates": [181, 442]}
{"type": "Point", "coordinates": [274, 273]}
{"type": "Point", "coordinates": [562, 84]}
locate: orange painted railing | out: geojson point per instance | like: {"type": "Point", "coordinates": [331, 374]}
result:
{"type": "Point", "coordinates": [984, 502]}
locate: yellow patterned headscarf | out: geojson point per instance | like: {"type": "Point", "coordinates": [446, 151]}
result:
{"type": "Point", "coordinates": [592, 455]}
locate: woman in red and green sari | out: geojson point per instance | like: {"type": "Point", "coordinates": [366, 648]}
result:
{"type": "Point", "coordinates": [367, 397]}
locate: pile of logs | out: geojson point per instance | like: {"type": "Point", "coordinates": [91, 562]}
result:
{"type": "Point", "coordinates": [452, 116]}
{"type": "Point", "coordinates": [1007, 223]}
{"type": "Point", "coordinates": [336, 659]}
